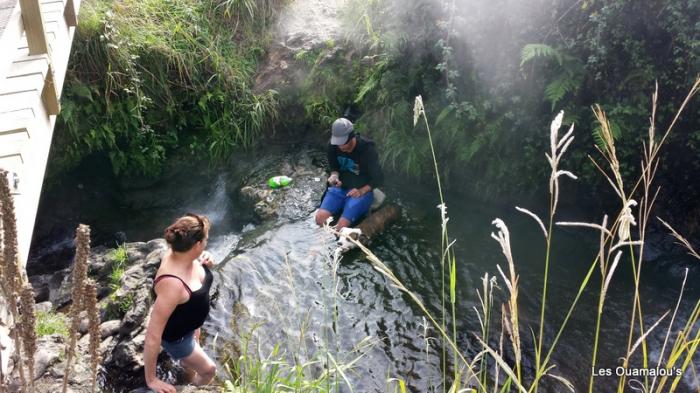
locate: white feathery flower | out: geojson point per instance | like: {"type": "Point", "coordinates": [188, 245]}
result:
{"type": "Point", "coordinates": [443, 209]}
{"type": "Point", "coordinates": [535, 217]}
{"type": "Point", "coordinates": [567, 138]}
{"type": "Point", "coordinates": [503, 238]}
{"type": "Point", "coordinates": [558, 147]}
{"type": "Point", "coordinates": [564, 143]}
{"type": "Point", "coordinates": [501, 225]}
{"type": "Point", "coordinates": [566, 173]}
{"type": "Point", "coordinates": [505, 279]}
{"type": "Point", "coordinates": [585, 224]}
{"type": "Point", "coordinates": [626, 220]}
{"type": "Point", "coordinates": [625, 244]}
{"type": "Point", "coordinates": [418, 109]}
{"type": "Point", "coordinates": [554, 130]}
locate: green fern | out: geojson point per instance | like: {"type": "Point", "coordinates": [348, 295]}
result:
{"type": "Point", "coordinates": [373, 81]}
{"type": "Point", "coordinates": [614, 129]}
{"type": "Point", "coordinates": [557, 89]}
{"type": "Point", "coordinates": [532, 51]}
{"type": "Point", "coordinates": [469, 150]}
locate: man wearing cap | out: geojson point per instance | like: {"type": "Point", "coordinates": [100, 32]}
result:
{"type": "Point", "coordinates": [355, 172]}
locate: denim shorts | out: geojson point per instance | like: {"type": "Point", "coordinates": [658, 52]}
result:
{"type": "Point", "coordinates": [336, 200]}
{"type": "Point", "coordinates": [180, 348]}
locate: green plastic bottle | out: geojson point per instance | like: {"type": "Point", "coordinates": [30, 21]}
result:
{"type": "Point", "coordinates": [279, 181]}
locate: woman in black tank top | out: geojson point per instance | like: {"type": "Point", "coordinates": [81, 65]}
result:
{"type": "Point", "coordinates": [181, 289]}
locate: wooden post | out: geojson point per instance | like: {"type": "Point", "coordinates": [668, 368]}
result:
{"type": "Point", "coordinates": [70, 14]}
{"type": "Point", "coordinates": [34, 27]}
{"type": "Point", "coordinates": [49, 94]}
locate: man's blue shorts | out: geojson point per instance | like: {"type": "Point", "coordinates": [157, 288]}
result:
{"type": "Point", "coordinates": [180, 348]}
{"type": "Point", "coordinates": [353, 209]}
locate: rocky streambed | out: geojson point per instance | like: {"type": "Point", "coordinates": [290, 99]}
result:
{"type": "Point", "coordinates": [125, 298]}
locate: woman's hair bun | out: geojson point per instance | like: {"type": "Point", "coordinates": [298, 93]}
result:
{"type": "Point", "coordinates": [186, 231]}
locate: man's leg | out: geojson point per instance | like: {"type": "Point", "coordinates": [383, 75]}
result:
{"type": "Point", "coordinates": [342, 223]}
{"type": "Point", "coordinates": [331, 204]}
{"type": "Point", "coordinates": [322, 216]}
{"type": "Point", "coordinates": [200, 363]}
{"type": "Point", "coordinates": [354, 209]}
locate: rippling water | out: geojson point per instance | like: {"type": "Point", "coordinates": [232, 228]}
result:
{"type": "Point", "coordinates": [281, 279]}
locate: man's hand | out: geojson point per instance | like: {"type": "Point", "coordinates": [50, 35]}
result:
{"type": "Point", "coordinates": [333, 180]}
{"type": "Point", "coordinates": [159, 386]}
{"type": "Point", "coordinates": [355, 193]}
{"type": "Point", "coordinates": [206, 259]}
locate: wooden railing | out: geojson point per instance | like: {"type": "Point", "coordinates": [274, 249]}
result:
{"type": "Point", "coordinates": [35, 43]}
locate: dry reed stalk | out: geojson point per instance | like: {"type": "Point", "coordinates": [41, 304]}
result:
{"type": "Point", "coordinates": [558, 146]}
{"type": "Point", "coordinates": [12, 278]}
{"type": "Point", "coordinates": [80, 267]}
{"type": "Point", "coordinates": [503, 238]}
{"type": "Point", "coordinates": [90, 302]}
{"type": "Point", "coordinates": [378, 265]}
{"type": "Point", "coordinates": [622, 223]}
{"type": "Point", "coordinates": [28, 324]}
{"type": "Point", "coordinates": [691, 251]}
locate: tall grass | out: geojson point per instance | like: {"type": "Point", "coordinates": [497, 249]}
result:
{"type": "Point", "coordinates": [616, 239]}
{"type": "Point", "coordinates": [148, 78]}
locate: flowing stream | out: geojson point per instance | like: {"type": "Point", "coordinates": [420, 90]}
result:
{"type": "Point", "coordinates": [280, 279]}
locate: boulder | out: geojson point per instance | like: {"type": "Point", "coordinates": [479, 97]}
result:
{"type": "Point", "coordinates": [297, 200]}
{"type": "Point", "coordinates": [122, 337]}
{"type": "Point", "coordinates": [110, 328]}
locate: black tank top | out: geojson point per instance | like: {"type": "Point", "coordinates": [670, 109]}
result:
{"type": "Point", "coordinates": [190, 315]}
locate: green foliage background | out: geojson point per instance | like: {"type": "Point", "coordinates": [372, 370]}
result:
{"type": "Point", "coordinates": [148, 78]}
{"type": "Point", "coordinates": [154, 77]}
{"type": "Point", "coordinates": [496, 73]}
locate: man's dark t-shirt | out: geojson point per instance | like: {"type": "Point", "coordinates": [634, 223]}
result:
{"type": "Point", "coordinates": [359, 167]}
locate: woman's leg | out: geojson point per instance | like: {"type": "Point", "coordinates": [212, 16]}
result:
{"type": "Point", "coordinates": [200, 363]}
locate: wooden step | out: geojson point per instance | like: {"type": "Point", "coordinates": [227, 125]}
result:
{"type": "Point", "coordinates": [13, 148]}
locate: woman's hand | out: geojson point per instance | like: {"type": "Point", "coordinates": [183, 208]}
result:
{"type": "Point", "coordinates": [206, 259]}
{"type": "Point", "coordinates": [159, 386]}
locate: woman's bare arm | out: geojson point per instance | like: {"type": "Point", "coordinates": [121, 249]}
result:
{"type": "Point", "coordinates": [170, 293]}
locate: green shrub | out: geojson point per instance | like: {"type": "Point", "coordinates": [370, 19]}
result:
{"type": "Point", "coordinates": [51, 323]}
{"type": "Point", "coordinates": [149, 78]}
{"type": "Point", "coordinates": [120, 258]}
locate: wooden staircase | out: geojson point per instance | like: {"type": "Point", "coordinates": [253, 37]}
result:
{"type": "Point", "coordinates": [35, 43]}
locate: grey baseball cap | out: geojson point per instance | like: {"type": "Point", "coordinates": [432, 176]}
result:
{"type": "Point", "coordinates": [340, 131]}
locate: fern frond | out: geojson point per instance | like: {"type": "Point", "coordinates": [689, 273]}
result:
{"type": "Point", "coordinates": [615, 130]}
{"type": "Point", "coordinates": [557, 89]}
{"type": "Point", "coordinates": [532, 51]}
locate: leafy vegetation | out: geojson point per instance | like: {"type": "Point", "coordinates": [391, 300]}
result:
{"type": "Point", "coordinates": [148, 78]}
{"type": "Point", "coordinates": [51, 323]}
{"type": "Point", "coordinates": [120, 259]}
{"type": "Point", "coordinates": [500, 353]}
{"type": "Point", "coordinates": [492, 76]}
{"type": "Point", "coordinates": [250, 373]}
{"type": "Point", "coordinates": [151, 78]}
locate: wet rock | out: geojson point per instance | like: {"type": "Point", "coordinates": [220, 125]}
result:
{"type": "Point", "coordinates": [43, 307]}
{"type": "Point", "coordinates": [48, 287]}
{"type": "Point", "coordinates": [127, 355]}
{"type": "Point", "coordinates": [136, 316]}
{"type": "Point", "coordinates": [295, 201]}
{"type": "Point", "coordinates": [84, 323]}
{"type": "Point", "coordinates": [51, 351]}
{"type": "Point", "coordinates": [122, 337]}
{"type": "Point", "coordinates": [109, 328]}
